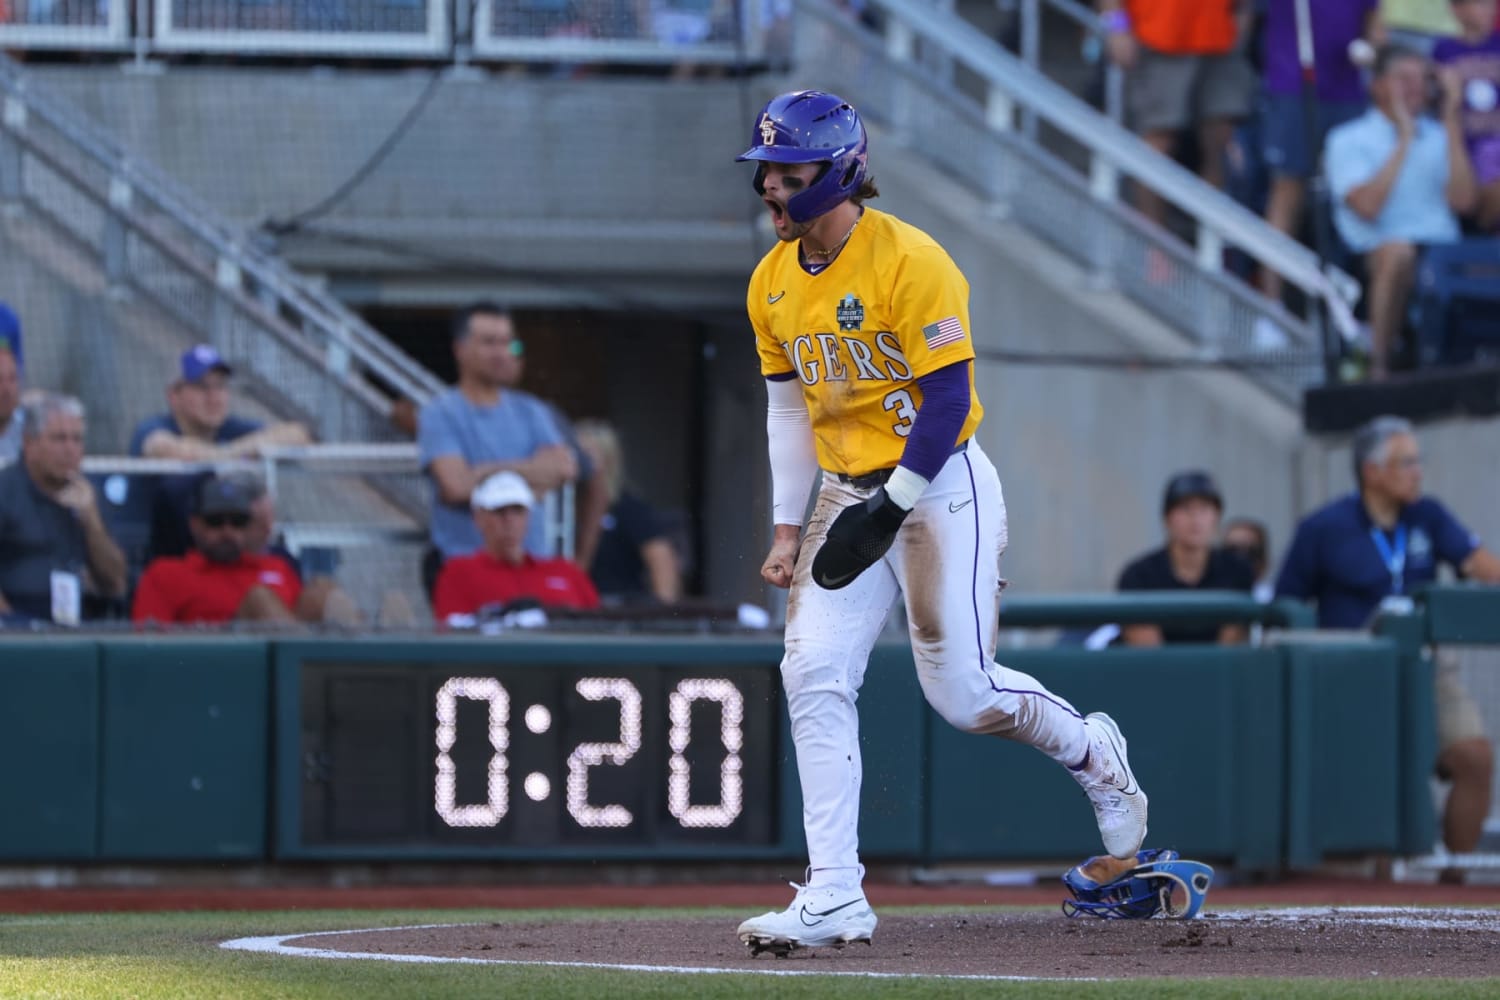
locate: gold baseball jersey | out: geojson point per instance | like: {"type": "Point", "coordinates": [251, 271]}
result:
{"type": "Point", "coordinates": [891, 308]}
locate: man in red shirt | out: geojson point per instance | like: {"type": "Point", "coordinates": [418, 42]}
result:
{"type": "Point", "coordinates": [502, 571]}
{"type": "Point", "coordinates": [218, 580]}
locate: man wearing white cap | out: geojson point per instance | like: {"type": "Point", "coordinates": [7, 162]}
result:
{"type": "Point", "coordinates": [502, 570]}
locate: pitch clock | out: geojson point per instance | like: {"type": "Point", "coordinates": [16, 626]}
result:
{"type": "Point", "coordinates": [472, 759]}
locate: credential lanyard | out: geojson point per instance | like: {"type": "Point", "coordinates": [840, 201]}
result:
{"type": "Point", "coordinates": [1394, 555]}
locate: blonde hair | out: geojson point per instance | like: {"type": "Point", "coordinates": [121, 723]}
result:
{"type": "Point", "coordinates": [602, 440]}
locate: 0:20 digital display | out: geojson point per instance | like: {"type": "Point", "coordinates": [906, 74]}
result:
{"type": "Point", "coordinates": [411, 755]}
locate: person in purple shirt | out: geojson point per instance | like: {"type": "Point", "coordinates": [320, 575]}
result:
{"type": "Point", "coordinates": [1388, 539]}
{"type": "Point", "coordinates": [1288, 145]}
{"type": "Point", "coordinates": [1474, 56]}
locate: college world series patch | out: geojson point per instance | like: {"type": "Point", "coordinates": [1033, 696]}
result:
{"type": "Point", "coordinates": [850, 313]}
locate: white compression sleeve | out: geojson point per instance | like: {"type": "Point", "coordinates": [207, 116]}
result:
{"type": "Point", "coordinates": [794, 462]}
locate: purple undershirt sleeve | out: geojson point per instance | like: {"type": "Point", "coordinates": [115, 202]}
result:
{"type": "Point", "coordinates": [940, 419]}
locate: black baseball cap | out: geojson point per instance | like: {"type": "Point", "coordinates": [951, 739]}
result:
{"type": "Point", "coordinates": [223, 495]}
{"type": "Point", "coordinates": [1190, 484]}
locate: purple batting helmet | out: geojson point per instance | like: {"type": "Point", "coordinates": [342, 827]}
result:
{"type": "Point", "coordinates": [809, 126]}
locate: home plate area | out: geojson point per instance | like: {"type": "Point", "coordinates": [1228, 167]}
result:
{"type": "Point", "coordinates": [1353, 942]}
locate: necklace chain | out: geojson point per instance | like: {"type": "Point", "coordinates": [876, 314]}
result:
{"type": "Point", "coordinates": [825, 254]}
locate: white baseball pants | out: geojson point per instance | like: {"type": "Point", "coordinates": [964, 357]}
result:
{"type": "Point", "coordinates": [946, 563]}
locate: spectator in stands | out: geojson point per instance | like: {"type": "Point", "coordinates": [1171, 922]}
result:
{"type": "Point", "coordinates": [1388, 539]}
{"type": "Point", "coordinates": [57, 560]}
{"type": "Point", "coordinates": [480, 427]}
{"type": "Point", "coordinates": [592, 497]}
{"type": "Point", "coordinates": [221, 580]}
{"type": "Point", "coordinates": [11, 417]}
{"type": "Point", "coordinates": [261, 537]}
{"type": "Point", "coordinates": [635, 560]}
{"type": "Point", "coordinates": [1399, 179]}
{"type": "Point", "coordinates": [1185, 70]}
{"type": "Point", "coordinates": [503, 571]}
{"type": "Point", "coordinates": [1292, 148]}
{"type": "Point", "coordinates": [1191, 508]}
{"type": "Point", "coordinates": [1249, 539]}
{"type": "Point", "coordinates": [199, 427]}
{"type": "Point", "coordinates": [1474, 58]}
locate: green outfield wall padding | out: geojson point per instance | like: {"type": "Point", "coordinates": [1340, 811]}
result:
{"type": "Point", "coordinates": [1344, 753]}
{"type": "Point", "coordinates": [49, 741]}
{"type": "Point", "coordinates": [185, 749]}
{"type": "Point", "coordinates": [1463, 615]}
{"type": "Point", "coordinates": [892, 737]}
{"type": "Point", "coordinates": [1204, 726]}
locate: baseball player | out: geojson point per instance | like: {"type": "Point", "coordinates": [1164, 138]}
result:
{"type": "Point", "coordinates": [862, 326]}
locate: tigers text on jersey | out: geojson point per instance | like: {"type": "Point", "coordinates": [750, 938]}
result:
{"type": "Point", "coordinates": [891, 308]}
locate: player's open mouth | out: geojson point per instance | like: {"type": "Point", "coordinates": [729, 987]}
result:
{"type": "Point", "coordinates": [778, 213]}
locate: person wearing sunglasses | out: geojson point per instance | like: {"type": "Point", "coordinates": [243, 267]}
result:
{"type": "Point", "coordinates": [481, 426]}
{"type": "Point", "coordinates": [220, 579]}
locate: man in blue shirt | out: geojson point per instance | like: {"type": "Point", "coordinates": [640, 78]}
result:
{"type": "Point", "coordinates": [198, 427]}
{"type": "Point", "coordinates": [1387, 539]}
{"type": "Point", "coordinates": [1399, 180]}
{"type": "Point", "coordinates": [480, 427]}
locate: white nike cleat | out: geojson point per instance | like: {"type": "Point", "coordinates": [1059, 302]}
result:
{"type": "Point", "coordinates": [1119, 803]}
{"type": "Point", "coordinates": [827, 915]}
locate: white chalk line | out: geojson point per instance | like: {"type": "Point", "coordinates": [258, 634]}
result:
{"type": "Point", "coordinates": [1401, 917]}
{"type": "Point", "coordinates": [276, 945]}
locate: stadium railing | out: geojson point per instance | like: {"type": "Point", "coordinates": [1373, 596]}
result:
{"type": "Point", "coordinates": [66, 25]}
{"type": "Point", "coordinates": [714, 34]}
{"type": "Point", "coordinates": [357, 512]}
{"type": "Point", "coordinates": [719, 32]}
{"type": "Point", "coordinates": [409, 28]}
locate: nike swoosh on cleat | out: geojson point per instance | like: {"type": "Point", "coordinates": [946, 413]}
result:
{"type": "Point", "coordinates": [954, 508]}
{"type": "Point", "coordinates": [804, 913]}
{"type": "Point", "coordinates": [1133, 787]}
{"type": "Point", "coordinates": [771, 300]}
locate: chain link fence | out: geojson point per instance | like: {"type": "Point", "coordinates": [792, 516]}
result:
{"type": "Point", "coordinates": [708, 32]}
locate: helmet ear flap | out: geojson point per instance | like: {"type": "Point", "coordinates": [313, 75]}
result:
{"type": "Point", "coordinates": [760, 179]}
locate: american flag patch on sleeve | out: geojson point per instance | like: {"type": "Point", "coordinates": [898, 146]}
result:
{"type": "Point", "coordinates": [943, 332]}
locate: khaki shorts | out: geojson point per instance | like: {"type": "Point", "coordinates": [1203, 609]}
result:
{"type": "Point", "coordinates": [1167, 93]}
{"type": "Point", "coordinates": [1458, 715]}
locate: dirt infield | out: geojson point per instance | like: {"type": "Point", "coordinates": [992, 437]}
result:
{"type": "Point", "coordinates": [1326, 942]}
{"type": "Point", "coordinates": [752, 897]}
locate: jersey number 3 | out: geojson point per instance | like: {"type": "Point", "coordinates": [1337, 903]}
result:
{"type": "Point", "coordinates": [899, 402]}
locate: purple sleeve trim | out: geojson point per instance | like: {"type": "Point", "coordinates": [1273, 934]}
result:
{"type": "Point", "coordinates": [781, 377]}
{"type": "Point", "coordinates": [940, 419]}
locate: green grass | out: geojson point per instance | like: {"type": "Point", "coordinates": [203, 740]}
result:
{"type": "Point", "coordinates": [177, 955]}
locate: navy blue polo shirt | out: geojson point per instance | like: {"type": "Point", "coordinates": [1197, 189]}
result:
{"type": "Point", "coordinates": [1336, 561]}
{"type": "Point", "coordinates": [174, 496]}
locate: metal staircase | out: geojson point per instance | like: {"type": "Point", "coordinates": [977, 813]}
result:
{"type": "Point", "coordinates": [67, 189]}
